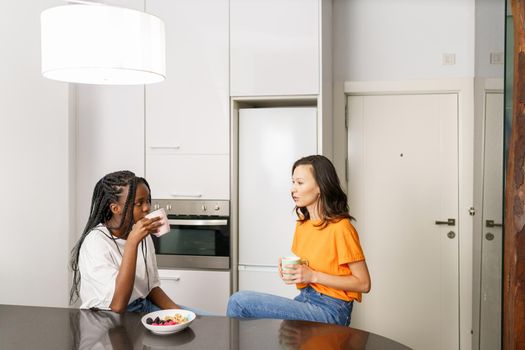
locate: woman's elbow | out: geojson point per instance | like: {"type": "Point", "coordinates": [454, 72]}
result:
{"type": "Point", "coordinates": [366, 285]}
{"type": "Point", "coordinates": [119, 309]}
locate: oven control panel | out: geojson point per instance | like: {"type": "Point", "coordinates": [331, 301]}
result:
{"type": "Point", "coordinates": [192, 207]}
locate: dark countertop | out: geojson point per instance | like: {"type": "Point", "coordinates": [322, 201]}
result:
{"type": "Point", "coordinates": [29, 327]}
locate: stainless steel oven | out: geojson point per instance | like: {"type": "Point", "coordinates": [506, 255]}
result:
{"type": "Point", "coordinates": [199, 236]}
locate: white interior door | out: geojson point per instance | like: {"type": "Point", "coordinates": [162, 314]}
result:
{"type": "Point", "coordinates": [403, 177]}
{"type": "Point", "coordinates": [491, 250]}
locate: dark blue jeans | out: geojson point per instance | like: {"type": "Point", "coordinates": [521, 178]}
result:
{"type": "Point", "coordinates": [142, 305]}
{"type": "Point", "coordinates": [145, 305]}
{"type": "Point", "coordinates": [309, 305]}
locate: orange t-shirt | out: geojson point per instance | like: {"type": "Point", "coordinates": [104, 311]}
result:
{"type": "Point", "coordinates": [328, 250]}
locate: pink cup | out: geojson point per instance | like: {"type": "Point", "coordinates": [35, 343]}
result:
{"type": "Point", "coordinates": [165, 228]}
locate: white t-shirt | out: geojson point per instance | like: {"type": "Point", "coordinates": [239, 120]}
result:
{"type": "Point", "coordinates": [99, 262]}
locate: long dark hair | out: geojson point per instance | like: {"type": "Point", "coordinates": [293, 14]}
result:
{"type": "Point", "coordinates": [333, 202]}
{"type": "Point", "coordinates": [107, 191]}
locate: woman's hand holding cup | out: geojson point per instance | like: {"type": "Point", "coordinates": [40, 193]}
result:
{"type": "Point", "coordinates": [294, 270]}
{"type": "Point", "coordinates": [144, 227]}
{"type": "Point", "coordinates": [164, 225]}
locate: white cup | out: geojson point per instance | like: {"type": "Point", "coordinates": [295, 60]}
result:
{"type": "Point", "coordinates": [165, 228]}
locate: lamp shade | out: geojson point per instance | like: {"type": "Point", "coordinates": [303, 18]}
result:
{"type": "Point", "coordinates": [100, 44]}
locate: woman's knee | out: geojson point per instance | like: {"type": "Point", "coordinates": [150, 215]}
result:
{"type": "Point", "coordinates": [237, 303]}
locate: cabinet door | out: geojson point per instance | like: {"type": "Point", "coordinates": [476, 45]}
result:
{"type": "Point", "coordinates": [188, 176]}
{"type": "Point", "coordinates": [270, 141]}
{"type": "Point", "coordinates": [205, 290]}
{"type": "Point", "coordinates": [274, 47]}
{"type": "Point", "coordinates": [189, 111]}
{"type": "Point", "coordinates": [265, 280]}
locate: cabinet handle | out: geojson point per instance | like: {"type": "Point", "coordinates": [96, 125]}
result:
{"type": "Point", "coordinates": [175, 278]}
{"type": "Point", "coordinates": [198, 222]}
{"type": "Point", "coordinates": [192, 195]}
{"type": "Point", "coordinates": [165, 147]}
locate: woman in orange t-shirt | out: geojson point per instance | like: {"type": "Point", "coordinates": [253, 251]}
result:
{"type": "Point", "coordinates": [336, 273]}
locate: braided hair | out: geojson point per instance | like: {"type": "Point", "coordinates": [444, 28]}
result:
{"type": "Point", "coordinates": [107, 191]}
{"type": "Point", "coordinates": [333, 201]}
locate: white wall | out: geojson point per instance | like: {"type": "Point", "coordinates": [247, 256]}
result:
{"type": "Point", "coordinates": [386, 40]}
{"type": "Point", "coordinates": [490, 34]}
{"type": "Point", "coordinates": [36, 157]}
{"type": "Point", "coordinates": [402, 39]}
{"type": "Point", "coordinates": [110, 137]}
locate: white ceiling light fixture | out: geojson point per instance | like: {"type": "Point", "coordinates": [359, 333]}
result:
{"type": "Point", "coordinates": [93, 43]}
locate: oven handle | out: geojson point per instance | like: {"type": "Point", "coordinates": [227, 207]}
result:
{"type": "Point", "coordinates": [198, 222]}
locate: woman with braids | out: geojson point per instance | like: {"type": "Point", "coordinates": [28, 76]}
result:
{"type": "Point", "coordinates": [113, 262]}
{"type": "Point", "coordinates": [336, 273]}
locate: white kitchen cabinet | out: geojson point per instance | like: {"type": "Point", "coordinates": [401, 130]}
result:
{"type": "Point", "coordinates": [275, 47]}
{"type": "Point", "coordinates": [187, 116]}
{"type": "Point", "coordinates": [188, 113]}
{"type": "Point", "coordinates": [205, 290]}
{"type": "Point", "coordinates": [270, 141]}
{"type": "Point", "coordinates": [188, 176]}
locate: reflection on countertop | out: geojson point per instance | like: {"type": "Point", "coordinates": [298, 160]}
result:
{"type": "Point", "coordinates": [30, 327]}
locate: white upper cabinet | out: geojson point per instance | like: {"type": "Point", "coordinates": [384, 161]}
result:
{"type": "Point", "coordinates": [187, 116]}
{"type": "Point", "coordinates": [274, 47]}
{"type": "Point", "coordinates": [192, 176]}
{"type": "Point", "coordinates": [188, 113]}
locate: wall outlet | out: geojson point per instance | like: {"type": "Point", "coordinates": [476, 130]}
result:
{"type": "Point", "coordinates": [497, 58]}
{"type": "Point", "coordinates": [448, 59]}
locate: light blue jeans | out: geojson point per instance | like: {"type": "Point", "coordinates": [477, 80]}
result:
{"type": "Point", "coordinates": [309, 305]}
{"type": "Point", "coordinates": [146, 305]}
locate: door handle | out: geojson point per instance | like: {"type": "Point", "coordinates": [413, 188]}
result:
{"type": "Point", "coordinates": [490, 223]}
{"type": "Point", "coordinates": [449, 222]}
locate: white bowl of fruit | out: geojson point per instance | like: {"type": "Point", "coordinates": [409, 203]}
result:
{"type": "Point", "coordinates": [168, 321]}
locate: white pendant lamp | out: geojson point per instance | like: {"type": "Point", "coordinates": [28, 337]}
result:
{"type": "Point", "coordinates": [92, 43]}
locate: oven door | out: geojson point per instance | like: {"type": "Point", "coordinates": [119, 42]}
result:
{"type": "Point", "coordinates": [194, 242]}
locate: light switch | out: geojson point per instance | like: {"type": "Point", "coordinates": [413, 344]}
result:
{"type": "Point", "coordinates": [449, 59]}
{"type": "Point", "coordinates": [497, 57]}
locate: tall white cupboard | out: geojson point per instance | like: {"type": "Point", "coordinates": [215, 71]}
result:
{"type": "Point", "coordinates": [270, 141]}
{"type": "Point", "coordinates": [187, 115]}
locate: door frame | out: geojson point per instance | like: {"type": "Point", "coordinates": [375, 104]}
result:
{"type": "Point", "coordinates": [464, 88]}
{"type": "Point", "coordinates": [482, 87]}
